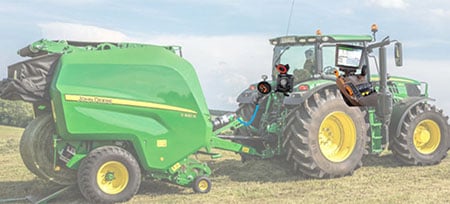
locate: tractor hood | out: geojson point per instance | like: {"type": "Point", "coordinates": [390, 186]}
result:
{"type": "Point", "coordinates": [376, 78]}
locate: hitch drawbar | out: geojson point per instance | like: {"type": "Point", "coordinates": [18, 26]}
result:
{"type": "Point", "coordinates": [42, 197]}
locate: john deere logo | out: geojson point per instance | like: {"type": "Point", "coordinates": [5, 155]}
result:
{"type": "Point", "coordinates": [95, 100]}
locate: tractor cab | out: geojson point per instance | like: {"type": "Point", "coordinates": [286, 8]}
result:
{"type": "Point", "coordinates": [311, 57]}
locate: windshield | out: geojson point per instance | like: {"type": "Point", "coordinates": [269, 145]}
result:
{"type": "Point", "coordinates": [301, 60]}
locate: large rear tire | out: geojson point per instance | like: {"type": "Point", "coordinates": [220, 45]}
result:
{"type": "Point", "coordinates": [109, 174]}
{"type": "Point", "coordinates": [37, 152]}
{"type": "Point", "coordinates": [324, 137]}
{"type": "Point", "coordinates": [424, 136]}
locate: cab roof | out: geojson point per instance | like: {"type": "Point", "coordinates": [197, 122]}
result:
{"type": "Point", "coordinates": [312, 39]}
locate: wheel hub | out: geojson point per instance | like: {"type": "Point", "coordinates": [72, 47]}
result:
{"type": "Point", "coordinates": [427, 136]}
{"type": "Point", "coordinates": [337, 136]}
{"type": "Point", "coordinates": [112, 177]}
{"type": "Point", "coordinates": [109, 176]}
{"type": "Point", "coordinates": [423, 135]}
{"type": "Point", "coordinates": [203, 185]}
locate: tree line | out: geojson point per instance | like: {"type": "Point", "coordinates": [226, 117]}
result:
{"type": "Point", "coordinates": [15, 113]}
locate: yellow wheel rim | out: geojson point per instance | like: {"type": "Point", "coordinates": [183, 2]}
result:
{"type": "Point", "coordinates": [203, 185]}
{"type": "Point", "coordinates": [427, 136]}
{"type": "Point", "coordinates": [112, 177]}
{"type": "Point", "coordinates": [337, 136]}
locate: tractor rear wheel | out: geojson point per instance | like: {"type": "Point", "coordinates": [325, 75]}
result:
{"type": "Point", "coordinates": [424, 136]}
{"type": "Point", "coordinates": [325, 138]}
{"type": "Point", "coordinates": [109, 174]}
{"type": "Point", "coordinates": [37, 152]}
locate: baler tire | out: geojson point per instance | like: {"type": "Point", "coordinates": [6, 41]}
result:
{"type": "Point", "coordinates": [426, 119]}
{"type": "Point", "coordinates": [309, 128]}
{"type": "Point", "coordinates": [201, 184]}
{"type": "Point", "coordinates": [26, 146]}
{"type": "Point", "coordinates": [246, 111]}
{"type": "Point", "coordinates": [36, 150]}
{"type": "Point", "coordinates": [114, 160]}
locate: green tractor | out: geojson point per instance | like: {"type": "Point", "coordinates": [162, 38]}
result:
{"type": "Point", "coordinates": [323, 129]}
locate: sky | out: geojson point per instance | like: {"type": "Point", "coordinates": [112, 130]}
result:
{"type": "Point", "coordinates": [227, 40]}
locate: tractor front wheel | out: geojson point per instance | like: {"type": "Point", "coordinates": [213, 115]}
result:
{"type": "Point", "coordinates": [424, 136]}
{"type": "Point", "coordinates": [325, 138]}
{"type": "Point", "coordinates": [109, 174]}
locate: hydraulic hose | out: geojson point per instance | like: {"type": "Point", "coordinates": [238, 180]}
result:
{"type": "Point", "coordinates": [248, 123]}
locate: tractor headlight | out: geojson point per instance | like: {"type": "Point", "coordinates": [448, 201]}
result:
{"type": "Point", "coordinates": [285, 83]}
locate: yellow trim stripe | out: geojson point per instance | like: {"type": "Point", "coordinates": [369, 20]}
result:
{"type": "Point", "coordinates": [116, 101]}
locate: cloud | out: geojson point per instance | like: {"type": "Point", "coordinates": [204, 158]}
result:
{"type": "Point", "coordinates": [80, 32]}
{"type": "Point", "coordinates": [394, 4]}
{"type": "Point", "coordinates": [439, 18]}
{"type": "Point", "coordinates": [70, 3]}
{"type": "Point", "coordinates": [440, 12]}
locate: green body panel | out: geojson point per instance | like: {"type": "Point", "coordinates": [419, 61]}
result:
{"type": "Point", "coordinates": [398, 86]}
{"type": "Point", "coordinates": [396, 79]}
{"type": "Point", "coordinates": [145, 95]}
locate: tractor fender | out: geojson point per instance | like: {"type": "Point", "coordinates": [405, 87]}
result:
{"type": "Point", "coordinates": [297, 98]}
{"type": "Point", "coordinates": [247, 96]}
{"type": "Point", "coordinates": [401, 109]}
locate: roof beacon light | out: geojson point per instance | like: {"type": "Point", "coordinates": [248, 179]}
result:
{"type": "Point", "coordinates": [374, 28]}
{"type": "Point", "coordinates": [318, 32]}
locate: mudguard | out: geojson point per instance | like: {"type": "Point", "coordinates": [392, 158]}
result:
{"type": "Point", "coordinates": [297, 98]}
{"type": "Point", "coordinates": [401, 109]}
{"type": "Point", "coordinates": [248, 96]}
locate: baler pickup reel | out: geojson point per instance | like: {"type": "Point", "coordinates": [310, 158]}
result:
{"type": "Point", "coordinates": [355, 88]}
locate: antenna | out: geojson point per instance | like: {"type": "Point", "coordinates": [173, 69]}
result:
{"type": "Point", "coordinates": [290, 16]}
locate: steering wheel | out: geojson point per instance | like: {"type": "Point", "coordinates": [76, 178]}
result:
{"type": "Point", "coordinates": [328, 70]}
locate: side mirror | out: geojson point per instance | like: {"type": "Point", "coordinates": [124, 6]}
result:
{"type": "Point", "coordinates": [398, 54]}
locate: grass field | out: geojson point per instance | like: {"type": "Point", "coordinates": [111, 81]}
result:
{"type": "Point", "coordinates": [381, 180]}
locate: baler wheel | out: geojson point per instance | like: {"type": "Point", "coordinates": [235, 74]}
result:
{"type": "Point", "coordinates": [424, 136]}
{"type": "Point", "coordinates": [202, 184]}
{"type": "Point", "coordinates": [109, 174]}
{"type": "Point", "coordinates": [37, 152]}
{"type": "Point", "coordinates": [325, 138]}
